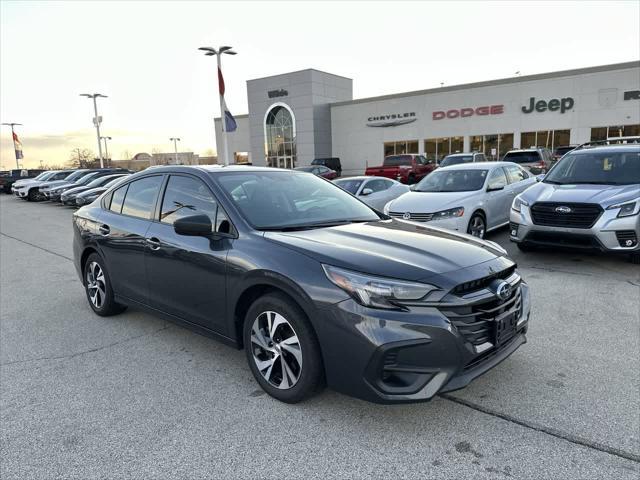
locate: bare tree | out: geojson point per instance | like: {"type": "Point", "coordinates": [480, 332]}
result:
{"type": "Point", "coordinates": [126, 155]}
{"type": "Point", "coordinates": [83, 158]}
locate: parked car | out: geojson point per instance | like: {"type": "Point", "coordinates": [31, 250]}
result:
{"type": "Point", "coordinates": [457, 158]}
{"type": "Point", "coordinates": [403, 168]}
{"type": "Point", "coordinates": [68, 197]}
{"type": "Point", "coordinates": [589, 200]}
{"type": "Point", "coordinates": [332, 162]}
{"type": "Point", "coordinates": [319, 171]}
{"type": "Point", "coordinates": [88, 196]}
{"type": "Point", "coordinates": [69, 180]}
{"type": "Point", "coordinates": [54, 194]}
{"type": "Point", "coordinates": [11, 176]}
{"type": "Point", "coordinates": [472, 198]}
{"type": "Point", "coordinates": [312, 283]}
{"type": "Point", "coordinates": [559, 152]}
{"type": "Point", "coordinates": [374, 191]}
{"type": "Point", "coordinates": [30, 189]}
{"type": "Point", "coordinates": [536, 160]}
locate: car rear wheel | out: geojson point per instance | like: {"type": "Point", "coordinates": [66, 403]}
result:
{"type": "Point", "coordinates": [477, 226]}
{"type": "Point", "coordinates": [98, 287]}
{"type": "Point", "coordinates": [282, 349]}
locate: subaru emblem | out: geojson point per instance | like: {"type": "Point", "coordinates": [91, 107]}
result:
{"type": "Point", "coordinates": [406, 216]}
{"type": "Point", "coordinates": [563, 209]}
{"type": "Point", "coordinates": [503, 291]}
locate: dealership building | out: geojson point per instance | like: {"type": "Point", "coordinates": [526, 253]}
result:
{"type": "Point", "coordinates": [296, 117]}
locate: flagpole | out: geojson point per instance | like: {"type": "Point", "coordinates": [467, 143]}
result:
{"type": "Point", "coordinates": [223, 120]}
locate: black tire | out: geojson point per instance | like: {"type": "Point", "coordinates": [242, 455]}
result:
{"type": "Point", "coordinates": [411, 179]}
{"type": "Point", "coordinates": [107, 305]}
{"type": "Point", "coordinates": [477, 225]}
{"type": "Point", "coordinates": [310, 378]}
{"type": "Point", "coordinates": [635, 258]}
{"type": "Point", "coordinates": [34, 195]}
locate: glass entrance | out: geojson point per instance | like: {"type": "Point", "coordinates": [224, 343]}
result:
{"type": "Point", "coordinates": [280, 139]}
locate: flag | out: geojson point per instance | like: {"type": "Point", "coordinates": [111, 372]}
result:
{"type": "Point", "coordinates": [230, 124]}
{"type": "Point", "coordinates": [17, 145]}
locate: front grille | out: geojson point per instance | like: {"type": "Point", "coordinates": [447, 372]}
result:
{"type": "Point", "coordinates": [580, 215]}
{"type": "Point", "coordinates": [563, 239]}
{"type": "Point", "coordinates": [416, 217]}
{"type": "Point", "coordinates": [480, 283]}
{"type": "Point", "coordinates": [627, 238]}
{"type": "Point", "coordinates": [478, 323]}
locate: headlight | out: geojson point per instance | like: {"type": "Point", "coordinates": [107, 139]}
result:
{"type": "Point", "coordinates": [387, 207]}
{"type": "Point", "coordinates": [518, 202]}
{"type": "Point", "coordinates": [376, 292]}
{"type": "Point", "coordinates": [627, 209]}
{"type": "Point", "coordinates": [451, 213]}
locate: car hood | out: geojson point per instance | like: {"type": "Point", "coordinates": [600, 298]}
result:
{"type": "Point", "coordinates": [430, 202]}
{"type": "Point", "coordinates": [390, 248]}
{"type": "Point", "coordinates": [92, 191]}
{"type": "Point", "coordinates": [75, 190]}
{"type": "Point", "coordinates": [24, 183]}
{"type": "Point", "coordinates": [604, 195]}
{"type": "Point", "coordinates": [55, 184]}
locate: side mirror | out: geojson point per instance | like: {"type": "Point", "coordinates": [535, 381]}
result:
{"type": "Point", "coordinates": [366, 191]}
{"type": "Point", "coordinates": [495, 188]}
{"type": "Point", "coordinates": [193, 225]}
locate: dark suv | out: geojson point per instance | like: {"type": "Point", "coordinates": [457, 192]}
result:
{"type": "Point", "coordinates": [332, 162]}
{"type": "Point", "coordinates": [314, 285]}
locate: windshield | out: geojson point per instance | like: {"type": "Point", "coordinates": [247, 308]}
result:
{"type": "Point", "coordinates": [42, 176]}
{"type": "Point", "coordinates": [452, 181]}
{"type": "Point", "coordinates": [87, 179]}
{"type": "Point", "coordinates": [98, 182]}
{"type": "Point", "coordinates": [455, 160]}
{"type": "Point", "coordinates": [396, 160]}
{"type": "Point", "coordinates": [521, 157]}
{"type": "Point", "coordinates": [74, 175]}
{"type": "Point", "coordinates": [350, 186]}
{"type": "Point", "coordinates": [607, 168]}
{"type": "Point", "coordinates": [289, 200]}
{"type": "Point", "coordinates": [113, 181]}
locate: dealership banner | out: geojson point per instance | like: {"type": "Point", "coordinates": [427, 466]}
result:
{"type": "Point", "coordinates": [17, 146]}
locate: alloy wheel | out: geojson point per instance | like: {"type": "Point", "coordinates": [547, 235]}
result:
{"type": "Point", "coordinates": [276, 350]}
{"type": "Point", "coordinates": [96, 284]}
{"type": "Point", "coordinates": [476, 228]}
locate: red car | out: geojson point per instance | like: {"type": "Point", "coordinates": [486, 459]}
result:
{"type": "Point", "coordinates": [319, 170]}
{"type": "Point", "coordinates": [407, 168]}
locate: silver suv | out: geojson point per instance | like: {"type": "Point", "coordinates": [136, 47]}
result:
{"type": "Point", "coordinates": [590, 199]}
{"type": "Point", "coordinates": [536, 160]}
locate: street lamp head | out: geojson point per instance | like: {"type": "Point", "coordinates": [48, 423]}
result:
{"type": "Point", "coordinates": [230, 52]}
{"type": "Point", "coordinates": [88, 95]}
{"type": "Point", "coordinates": [210, 51]}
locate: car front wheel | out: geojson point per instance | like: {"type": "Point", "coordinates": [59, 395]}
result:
{"type": "Point", "coordinates": [282, 349]}
{"type": "Point", "coordinates": [477, 226]}
{"type": "Point", "coordinates": [98, 287]}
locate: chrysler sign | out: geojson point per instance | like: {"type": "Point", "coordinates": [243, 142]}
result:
{"type": "Point", "coordinates": [391, 120]}
{"type": "Point", "coordinates": [468, 112]}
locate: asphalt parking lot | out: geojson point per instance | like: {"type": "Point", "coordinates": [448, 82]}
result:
{"type": "Point", "coordinates": [134, 396]}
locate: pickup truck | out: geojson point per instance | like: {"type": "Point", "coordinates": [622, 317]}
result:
{"type": "Point", "coordinates": [10, 177]}
{"type": "Point", "coordinates": [408, 168]}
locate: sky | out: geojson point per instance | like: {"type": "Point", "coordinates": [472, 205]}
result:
{"type": "Point", "coordinates": [144, 56]}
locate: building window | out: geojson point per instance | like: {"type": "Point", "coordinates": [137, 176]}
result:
{"type": "Point", "coordinates": [400, 147]}
{"type": "Point", "coordinates": [280, 137]}
{"type": "Point", "coordinates": [438, 148]}
{"type": "Point", "coordinates": [493, 146]}
{"type": "Point", "coordinates": [545, 138]}
{"type": "Point", "coordinates": [602, 133]}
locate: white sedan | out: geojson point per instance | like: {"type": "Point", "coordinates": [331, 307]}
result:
{"type": "Point", "coordinates": [374, 191]}
{"type": "Point", "coordinates": [472, 198]}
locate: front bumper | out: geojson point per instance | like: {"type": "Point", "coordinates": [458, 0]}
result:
{"type": "Point", "coordinates": [386, 356]}
{"type": "Point", "coordinates": [608, 234]}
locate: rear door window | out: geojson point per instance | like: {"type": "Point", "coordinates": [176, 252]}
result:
{"type": "Point", "coordinates": [140, 198]}
{"type": "Point", "coordinates": [117, 199]}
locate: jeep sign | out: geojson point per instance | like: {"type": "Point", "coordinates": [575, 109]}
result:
{"type": "Point", "coordinates": [553, 105]}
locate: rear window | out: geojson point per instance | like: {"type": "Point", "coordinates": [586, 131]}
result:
{"type": "Point", "coordinates": [522, 157]}
{"type": "Point", "coordinates": [396, 160]}
{"type": "Point", "coordinates": [350, 186]}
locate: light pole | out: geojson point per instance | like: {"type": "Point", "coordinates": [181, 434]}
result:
{"type": "Point", "coordinates": [96, 120]}
{"type": "Point", "coordinates": [210, 52]}
{"type": "Point", "coordinates": [175, 141]}
{"type": "Point", "coordinates": [18, 151]}
{"type": "Point", "coordinates": [106, 150]}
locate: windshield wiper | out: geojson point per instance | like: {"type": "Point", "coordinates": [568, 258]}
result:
{"type": "Point", "coordinates": [310, 226]}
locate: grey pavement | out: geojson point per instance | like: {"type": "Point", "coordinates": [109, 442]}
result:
{"type": "Point", "coordinates": [133, 396]}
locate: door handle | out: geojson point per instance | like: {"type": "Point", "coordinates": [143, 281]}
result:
{"type": "Point", "coordinates": [154, 243]}
{"type": "Point", "coordinates": [104, 229]}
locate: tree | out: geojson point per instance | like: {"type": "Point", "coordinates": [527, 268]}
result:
{"type": "Point", "coordinates": [83, 158]}
{"type": "Point", "coordinates": [126, 155]}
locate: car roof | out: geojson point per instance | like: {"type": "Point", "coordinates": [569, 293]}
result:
{"type": "Point", "coordinates": [525, 150]}
{"type": "Point", "coordinates": [460, 154]}
{"type": "Point", "coordinates": [476, 166]}
{"type": "Point", "coordinates": [621, 147]}
{"type": "Point", "coordinates": [364, 177]}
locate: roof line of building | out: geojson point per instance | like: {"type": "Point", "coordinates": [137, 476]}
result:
{"type": "Point", "coordinates": [298, 71]}
{"type": "Point", "coordinates": [502, 81]}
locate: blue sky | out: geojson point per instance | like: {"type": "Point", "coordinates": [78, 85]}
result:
{"type": "Point", "coordinates": [144, 56]}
